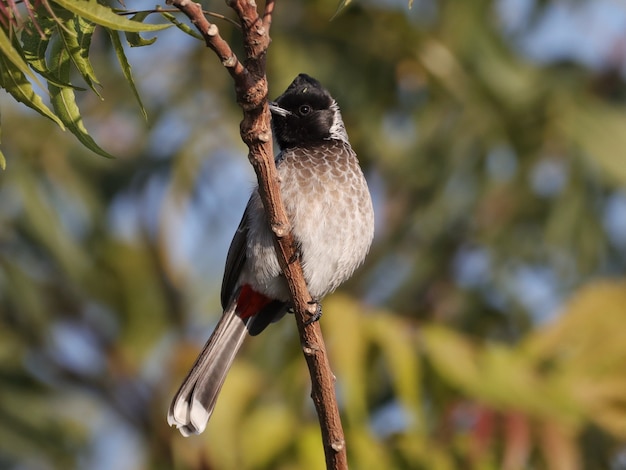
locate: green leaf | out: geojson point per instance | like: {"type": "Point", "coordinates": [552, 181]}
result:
{"type": "Point", "coordinates": [12, 51]}
{"type": "Point", "coordinates": [135, 39]}
{"type": "Point", "coordinates": [85, 30]}
{"type": "Point", "coordinates": [64, 102]}
{"type": "Point", "coordinates": [15, 82]}
{"type": "Point", "coordinates": [35, 47]}
{"type": "Point", "coordinates": [105, 16]}
{"type": "Point", "coordinates": [126, 69]}
{"type": "Point", "coordinates": [76, 38]}
{"type": "Point", "coordinates": [182, 26]}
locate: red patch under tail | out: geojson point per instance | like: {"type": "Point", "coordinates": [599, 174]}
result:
{"type": "Point", "coordinates": [250, 302]}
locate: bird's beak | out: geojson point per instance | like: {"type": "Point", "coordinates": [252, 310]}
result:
{"type": "Point", "coordinates": [275, 109]}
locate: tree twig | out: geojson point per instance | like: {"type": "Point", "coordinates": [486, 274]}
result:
{"type": "Point", "coordinates": [251, 88]}
{"type": "Point", "coordinates": [176, 10]}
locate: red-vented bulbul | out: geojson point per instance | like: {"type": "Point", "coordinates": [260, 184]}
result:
{"type": "Point", "coordinates": [330, 210]}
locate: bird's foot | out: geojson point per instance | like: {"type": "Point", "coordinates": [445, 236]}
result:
{"type": "Point", "coordinates": [317, 314]}
{"type": "Point", "coordinates": [297, 253]}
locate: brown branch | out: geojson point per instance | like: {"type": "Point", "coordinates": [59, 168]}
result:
{"type": "Point", "coordinates": [251, 87]}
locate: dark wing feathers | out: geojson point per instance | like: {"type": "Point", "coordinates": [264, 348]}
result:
{"type": "Point", "coordinates": [235, 260]}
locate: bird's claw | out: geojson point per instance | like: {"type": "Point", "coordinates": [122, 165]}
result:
{"type": "Point", "coordinates": [296, 255]}
{"type": "Point", "coordinates": [318, 312]}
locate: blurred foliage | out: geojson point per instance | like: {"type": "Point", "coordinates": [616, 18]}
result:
{"type": "Point", "coordinates": [483, 331]}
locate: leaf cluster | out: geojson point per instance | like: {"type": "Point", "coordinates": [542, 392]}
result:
{"type": "Point", "coordinates": [53, 43]}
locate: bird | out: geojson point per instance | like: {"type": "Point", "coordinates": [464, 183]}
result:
{"type": "Point", "coordinates": [330, 210]}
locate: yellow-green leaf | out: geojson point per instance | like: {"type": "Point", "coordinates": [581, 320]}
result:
{"type": "Point", "coordinates": [84, 30]}
{"type": "Point", "coordinates": [135, 39]}
{"type": "Point", "coordinates": [182, 26]}
{"type": "Point", "coordinates": [12, 52]}
{"type": "Point", "coordinates": [75, 37]}
{"type": "Point", "coordinates": [126, 69]}
{"type": "Point", "coordinates": [15, 82]}
{"type": "Point", "coordinates": [64, 101]}
{"type": "Point", "coordinates": [105, 16]}
{"type": "Point", "coordinates": [35, 46]}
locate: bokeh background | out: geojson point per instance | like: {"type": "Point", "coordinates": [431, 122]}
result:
{"type": "Point", "coordinates": [486, 328]}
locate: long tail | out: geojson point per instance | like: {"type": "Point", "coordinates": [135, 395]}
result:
{"type": "Point", "coordinates": [193, 404]}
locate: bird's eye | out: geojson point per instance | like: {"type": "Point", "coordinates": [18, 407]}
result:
{"type": "Point", "coordinates": [304, 109]}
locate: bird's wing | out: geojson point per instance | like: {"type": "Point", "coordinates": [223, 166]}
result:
{"type": "Point", "coordinates": [235, 260]}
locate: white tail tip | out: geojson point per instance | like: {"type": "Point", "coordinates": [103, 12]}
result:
{"type": "Point", "coordinates": [188, 420]}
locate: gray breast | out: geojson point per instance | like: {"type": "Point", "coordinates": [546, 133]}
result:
{"type": "Point", "coordinates": [328, 202]}
{"type": "Point", "coordinates": [330, 209]}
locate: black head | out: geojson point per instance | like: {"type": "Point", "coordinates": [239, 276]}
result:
{"type": "Point", "coordinates": [305, 114]}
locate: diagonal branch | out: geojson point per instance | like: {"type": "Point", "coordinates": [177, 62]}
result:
{"type": "Point", "coordinates": [251, 88]}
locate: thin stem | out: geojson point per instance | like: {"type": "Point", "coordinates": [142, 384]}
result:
{"type": "Point", "coordinates": [176, 10]}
